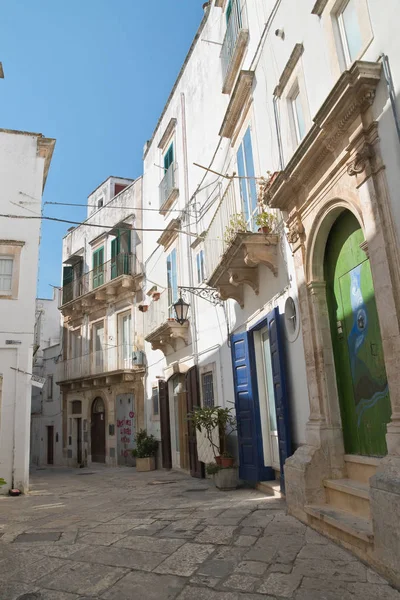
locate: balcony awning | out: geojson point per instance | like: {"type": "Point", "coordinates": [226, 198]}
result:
{"type": "Point", "coordinates": [239, 99]}
{"type": "Point", "coordinates": [75, 258]}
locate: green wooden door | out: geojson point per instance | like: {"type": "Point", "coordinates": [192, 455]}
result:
{"type": "Point", "coordinates": [98, 267]}
{"type": "Point", "coordinates": [115, 245]}
{"type": "Point", "coordinates": [357, 345]}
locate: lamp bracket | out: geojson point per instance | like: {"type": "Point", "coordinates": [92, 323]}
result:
{"type": "Point", "coordinates": [207, 293]}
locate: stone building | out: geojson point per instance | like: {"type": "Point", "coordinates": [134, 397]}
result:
{"type": "Point", "coordinates": [102, 368]}
{"type": "Point", "coordinates": [24, 164]}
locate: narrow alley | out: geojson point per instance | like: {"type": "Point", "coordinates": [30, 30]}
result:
{"type": "Point", "coordinates": [116, 534]}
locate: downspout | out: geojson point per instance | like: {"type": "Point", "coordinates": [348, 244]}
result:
{"type": "Point", "coordinates": [193, 319]}
{"type": "Point", "coordinates": [392, 94]}
{"type": "Point", "coordinates": [278, 133]}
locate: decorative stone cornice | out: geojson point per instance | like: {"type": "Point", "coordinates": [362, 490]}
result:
{"type": "Point", "coordinates": [170, 234]}
{"type": "Point", "coordinates": [45, 149]}
{"type": "Point", "coordinates": [359, 162]}
{"type": "Point", "coordinates": [11, 243]}
{"type": "Point", "coordinates": [167, 133]}
{"type": "Point", "coordinates": [352, 95]}
{"type": "Point", "coordinates": [288, 70]}
{"type": "Point", "coordinates": [319, 7]}
{"type": "Point", "coordinates": [167, 335]}
{"type": "Point", "coordinates": [240, 96]}
{"type": "Point", "coordinates": [220, 3]}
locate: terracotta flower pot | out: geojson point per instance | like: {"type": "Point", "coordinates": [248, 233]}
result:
{"type": "Point", "coordinates": [226, 463]}
{"type": "Point", "coordinates": [156, 296]}
{"type": "Point", "coordinates": [265, 230]}
{"type": "Point", "coordinates": [143, 308]}
{"type": "Point", "coordinates": [218, 460]}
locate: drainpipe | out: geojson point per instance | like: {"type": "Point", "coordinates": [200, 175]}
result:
{"type": "Point", "coordinates": [278, 133]}
{"type": "Point", "coordinates": [392, 94]}
{"type": "Point", "coordinates": [193, 318]}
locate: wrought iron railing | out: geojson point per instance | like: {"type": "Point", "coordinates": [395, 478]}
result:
{"type": "Point", "coordinates": [169, 184]}
{"type": "Point", "coordinates": [113, 358]}
{"type": "Point", "coordinates": [237, 22]}
{"type": "Point", "coordinates": [122, 264]}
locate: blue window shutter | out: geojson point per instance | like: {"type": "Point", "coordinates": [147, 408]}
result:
{"type": "Point", "coordinates": [251, 183]}
{"type": "Point", "coordinates": [251, 458]}
{"type": "Point", "coordinates": [280, 389]}
{"type": "Point", "coordinates": [242, 182]}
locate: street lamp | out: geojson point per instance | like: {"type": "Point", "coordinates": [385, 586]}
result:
{"type": "Point", "coordinates": [181, 309]}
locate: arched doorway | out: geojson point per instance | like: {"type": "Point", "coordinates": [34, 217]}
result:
{"type": "Point", "coordinates": [98, 431]}
{"type": "Point", "coordinates": [356, 340]}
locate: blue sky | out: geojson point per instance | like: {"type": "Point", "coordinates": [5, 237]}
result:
{"type": "Point", "coordinates": [95, 75]}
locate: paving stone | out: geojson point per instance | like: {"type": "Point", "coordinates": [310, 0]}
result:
{"type": "Point", "coordinates": [280, 568]}
{"type": "Point", "coordinates": [258, 518]}
{"type": "Point", "coordinates": [373, 577]}
{"type": "Point", "coordinates": [244, 583]}
{"type": "Point", "coordinates": [210, 582]}
{"type": "Point", "coordinates": [130, 522]}
{"type": "Point", "coordinates": [48, 536]}
{"type": "Point", "coordinates": [368, 591]}
{"type": "Point", "coordinates": [313, 537]}
{"type": "Point", "coordinates": [251, 567]}
{"type": "Point", "coordinates": [121, 557]}
{"type": "Point", "coordinates": [148, 586]}
{"type": "Point", "coordinates": [54, 595]}
{"type": "Point", "coordinates": [329, 552]}
{"type": "Point", "coordinates": [253, 531]}
{"type": "Point", "coordinates": [28, 573]}
{"type": "Point", "coordinates": [280, 584]}
{"type": "Point", "coordinates": [245, 540]}
{"type": "Point", "coordinates": [100, 539]}
{"type": "Point", "coordinates": [151, 529]}
{"type": "Point", "coordinates": [216, 568]}
{"type": "Point", "coordinates": [13, 590]}
{"type": "Point", "coordinates": [216, 535]}
{"type": "Point", "coordinates": [186, 560]}
{"type": "Point", "coordinates": [186, 529]}
{"type": "Point", "coordinates": [111, 528]}
{"type": "Point", "coordinates": [342, 571]}
{"type": "Point", "coordinates": [82, 578]}
{"type": "Point", "coordinates": [151, 544]}
{"type": "Point", "coordinates": [198, 593]}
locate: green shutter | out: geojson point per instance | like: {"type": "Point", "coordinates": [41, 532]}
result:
{"type": "Point", "coordinates": [68, 276]}
{"type": "Point", "coordinates": [98, 269]}
{"type": "Point", "coordinates": [228, 11]}
{"type": "Point", "coordinates": [169, 157]}
{"type": "Point", "coordinates": [114, 257]}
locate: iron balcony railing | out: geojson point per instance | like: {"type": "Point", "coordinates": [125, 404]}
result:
{"type": "Point", "coordinates": [169, 184]}
{"type": "Point", "coordinates": [114, 358]}
{"type": "Point", "coordinates": [122, 264]}
{"type": "Point", "coordinates": [237, 22]}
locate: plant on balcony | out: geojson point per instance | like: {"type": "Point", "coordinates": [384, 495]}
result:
{"type": "Point", "coordinates": [237, 224]}
{"type": "Point", "coordinates": [143, 308]}
{"type": "Point", "coordinates": [266, 222]}
{"type": "Point", "coordinates": [264, 183]}
{"type": "Point", "coordinates": [145, 451]}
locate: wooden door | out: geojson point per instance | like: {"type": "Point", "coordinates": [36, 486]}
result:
{"type": "Point", "coordinates": [50, 445]}
{"type": "Point", "coordinates": [165, 425]}
{"type": "Point", "coordinates": [193, 401]}
{"type": "Point", "coordinates": [98, 431]}
{"type": "Point", "coordinates": [356, 339]}
{"type": "Point", "coordinates": [79, 441]}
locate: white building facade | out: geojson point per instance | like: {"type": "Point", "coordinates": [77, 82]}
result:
{"type": "Point", "coordinates": [291, 113]}
{"type": "Point", "coordinates": [24, 163]}
{"type": "Point", "coordinates": [46, 408]}
{"type": "Point", "coordinates": [102, 367]}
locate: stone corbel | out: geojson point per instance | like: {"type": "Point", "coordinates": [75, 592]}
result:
{"type": "Point", "coordinates": [360, 161]}
{"type": "Point", "coordinates": [231, 292]}
{"type": "Point", "coordinates": [265, 254]}
{"type": "Point", "coordinates": [296, 233]}
{"type": "Point", "coordinates": [237, 276]}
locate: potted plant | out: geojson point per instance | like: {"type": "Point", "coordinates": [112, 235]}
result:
{"type": "Point", "coordinates": [227, 460]}
{"type": "Point", "coordinates": [156, 296]}
{"type": "Point", "coordinates": [265, 222]}
{"type": "Point", "coordinates": [145, 451]}
{"type": "Point", "coordinates": [237, 224]}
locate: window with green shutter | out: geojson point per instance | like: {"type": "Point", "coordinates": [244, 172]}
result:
{"type": "Point", "coordinates": [98, 267]}
{"type": "Point", "coordinates": [169, 157]}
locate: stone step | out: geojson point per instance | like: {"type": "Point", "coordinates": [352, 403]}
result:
{"type": "Point", "coordinates": [352, 531]}
{"type": "Point", "coordinates": [361, 468]}
{"type": "Point", "coordinates": [349, 495]}
{"type": "Point", "coordinates": [272, 488]}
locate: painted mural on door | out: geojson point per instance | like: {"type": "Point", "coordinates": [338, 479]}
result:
{"type": "Point", "coordinates": [126, 428]}
{"type": "Point", "coordinates": [357, 344]}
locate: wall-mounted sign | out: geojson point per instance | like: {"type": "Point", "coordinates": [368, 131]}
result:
{"type": "Point", "coordinates": [12, 342]}
{"type": "Point", "coordinates": [38, 381]}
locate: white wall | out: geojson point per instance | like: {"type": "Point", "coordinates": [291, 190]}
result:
{"type": "Point", "coordinates": [21, 182]}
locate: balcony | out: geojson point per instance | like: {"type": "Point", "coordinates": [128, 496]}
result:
{"type": "Point", "coordinates": [234, 44]}
{"type": "Point", "coordinates": [233, 252]}
{"type": "Point", "coordinates": [162, 331]}
{"type": "Point", "coordinates": [169, 190]}
{"type": "Point", "coordinates": [117, 364]}
{"type": "Point", "coordinates": [106, 282]}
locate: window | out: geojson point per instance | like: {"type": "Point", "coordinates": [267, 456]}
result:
{"type": "Point", "coordinates": [6, 273]}
{"type": "Point", "coordinates": [248, 189]}
{"type": "Point", "coordinates": [298, 116]}
{"type": "Point", "coordinates": [50, 387]}
{"type": "Point", "coordinates": [207, 389]}
{"type": "Point", "coordinates": [350, 31]}
{"type": "Point", "coordinates": [228, 11]}
{"type": "Point", "coordinates": [98, 267]}
{"type": "Point", "coordinates": [155, 402]}
{"type": "Point", "coordinates": [200, 266]}
{"type": "Point", "coordinates": [100, 203]}
{"type": "Point", "coordinates": [172, 280]}
{"type": "Point", "coordinates": [98, 346]}
{"type": "Point", "coordinates": [169, 157]}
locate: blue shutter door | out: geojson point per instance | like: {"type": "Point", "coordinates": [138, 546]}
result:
{"type": "Point", "coordinates": [251, 460]}
{"type": "Point", "coordinates": [280, 391]}
{"type": "Point", "coordinates": [242, 182]}
{"type": "Point", "coordinates": [251, 183]}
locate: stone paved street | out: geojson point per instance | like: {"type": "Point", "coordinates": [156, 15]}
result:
{"type": "Point", "coordinates": [116, 534]}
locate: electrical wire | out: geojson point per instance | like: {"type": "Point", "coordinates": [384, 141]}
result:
{"type": "Point", "coordinates": [107, 206]}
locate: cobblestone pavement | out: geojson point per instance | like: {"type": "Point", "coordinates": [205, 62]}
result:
{"type": "Point", "coordinates": [115, 534]}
